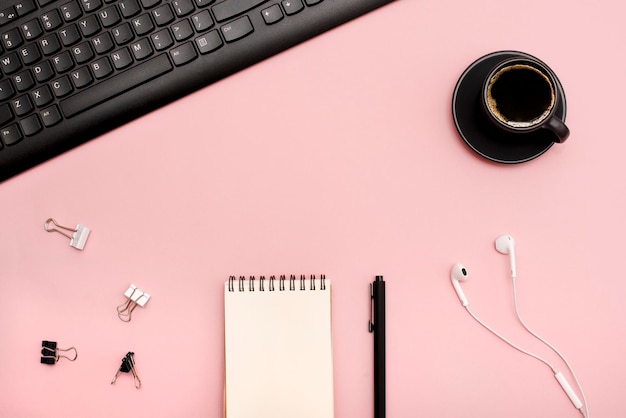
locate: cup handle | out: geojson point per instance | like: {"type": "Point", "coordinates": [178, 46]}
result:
{"type": "Point", "coordinates": [557, 126]}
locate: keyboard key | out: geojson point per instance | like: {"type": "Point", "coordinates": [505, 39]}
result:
{"type": "Point", "coordinates": [69, 35]}
{"type": "Point", "coordinates": [31, 29]}
{"type": "Point", "coordinates": [183, 54]}
{"type": "Point", "coordinates": [129, 8]}
{"type": "Point", "coordinates": [116, 85]}
{"type": "Point", "coordinates": [162, 39]}
{"type": "Point", "coordinates": [141, 49]}
{"type": "Point", "coordinates": [82, 53]}
{"type": "Point", "coordinates": [24, 7]}
{"type": "Point", "coordinates": [182, 30]}
{"type": "Point", "coordinates": [24, 80]}
{"type": "Point", "coordinates": [50, 44]}
{"type": "Point", "coordinates": [230, 8]}
{"type": "Point", "coordinates": [237, 29]}
{"type": "Point", "coordinates": [123, 34]}
{"type": "Point", "coordinates": [7, 15]}
{"type": "Point", "coordinates": [41, 96]}
{"type": "Point", "coordinates": [143, 24]}
{"type": "Point", "coordinates": [12, 39]}
{"type": "Point", "coordinates": [121, 58]}
{"type": "Point", "coordinates": [71, 11]}
{"type": "Point", "coordinates": [91, 5]}
{"type": "Point", "coordinates": [89, 25]}
{"type": "Point", "coordinates": [31, 125]}
{"type": "Point", "coordinates": [101, 68]}
{"type": "Point", "coordinates": [63, 62]}
{"type": "Point", "coordinates": [30, 54]}
{"type": "Point", "coordinates": [209, 42]}
{"type": "Point", "coordinates": [5, 113]}
{"type": "Point", "coordinates": [81, 77]}
{"type": "Point", "coordinates": [10, 63]}
{"type": "Point", "coordinates": [22, 105]}
{"type": "Point", "coordinates": [11, 134]}
{"type": "Point", "coordinates": [61, 86]}
{"type": "Point", "coordinates": [202, 21]}
{"type": "Point", "coordinates": [6, 90]}
{"type": "Point", "coordinates": [109, 16]}
{"type": "Point", "coordinates": [272, 14]}
{"type": "Point", "coordinates": [182, 7]}
{"type": "Point", "coordinates": [50, 116]}
{"type": "Point", "coordinates": [312, 2]}
{"type": "Point", "coordinates": [163, 15]}
{"type": "Point", "coordinates": [102, 43]}
{"type": "Point", "coordinates": [51, 20]}
{"type": "Point", "coordinates": [43, 71]}
{"type": "Point", "coordinates": [292, 6]}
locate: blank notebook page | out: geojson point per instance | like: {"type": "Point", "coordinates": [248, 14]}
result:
{"type": "Point", "coordinates": [278, 350]}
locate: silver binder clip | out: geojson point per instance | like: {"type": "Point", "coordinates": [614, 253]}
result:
{"type": "Point", "coordinates": [50, 353]}
{"type": "Point", "coordinates": [77, 239]}
{"type": "Point", "coordinates": [136, 297]}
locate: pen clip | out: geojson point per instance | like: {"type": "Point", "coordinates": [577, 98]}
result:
{"type": "Point", "coordinates": [371, 322]}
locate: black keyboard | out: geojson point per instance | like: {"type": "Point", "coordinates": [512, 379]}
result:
{"type": "Point", "coordinates": [74, 69]}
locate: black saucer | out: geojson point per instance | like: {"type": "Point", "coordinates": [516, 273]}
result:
{"type": "Point", "coordinates": [477, 131]}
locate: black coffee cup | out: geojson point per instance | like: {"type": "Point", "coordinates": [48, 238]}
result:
{"type": "Point", "coordinates": [519, 95]}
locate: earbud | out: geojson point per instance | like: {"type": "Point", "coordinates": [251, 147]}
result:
{"type": "Point", "coordinates": [506, 245]}
{"type": "Point", "coordinates": [457, 274]}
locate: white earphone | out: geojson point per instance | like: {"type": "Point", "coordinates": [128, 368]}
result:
{"type": "Point", "coordinates": [459, 274]}
{"type": "Point", "coordinates": [505, 244]}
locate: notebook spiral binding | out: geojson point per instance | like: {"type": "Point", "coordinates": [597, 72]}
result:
{"type": "Point", "coordinates": [239, 284]}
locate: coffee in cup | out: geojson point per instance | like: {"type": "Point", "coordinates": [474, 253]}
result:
{"type": "Point", "coordinates": [520, 95]}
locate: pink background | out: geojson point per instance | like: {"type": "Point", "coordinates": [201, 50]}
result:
{"type": "Point", "coordinates": [348, 164]}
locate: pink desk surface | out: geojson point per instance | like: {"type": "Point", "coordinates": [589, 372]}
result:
{"type": "Point", "coordinates": [348, 164]}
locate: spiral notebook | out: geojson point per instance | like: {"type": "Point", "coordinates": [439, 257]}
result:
{"type": "Point", "coordinates": [278, 348]}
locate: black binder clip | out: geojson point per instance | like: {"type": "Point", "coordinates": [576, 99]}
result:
{"type": "Point", "coordinates": [128, 365]}
{"type": "Point", "coordinates": [50, 353]}
{"type": "Point", "coordinates": [78, 239]}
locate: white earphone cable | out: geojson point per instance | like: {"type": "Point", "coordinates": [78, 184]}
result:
{"type": "Point", "coordinates": [585, 413]}
{"type": "Point", "coordinates": [521, 350]}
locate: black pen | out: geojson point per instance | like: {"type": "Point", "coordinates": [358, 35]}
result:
{"type": "Point", "coordinates": [377, 326]}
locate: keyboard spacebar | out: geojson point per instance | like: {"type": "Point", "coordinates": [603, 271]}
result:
{"type": "Point", "coordinates": [115, 85]}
